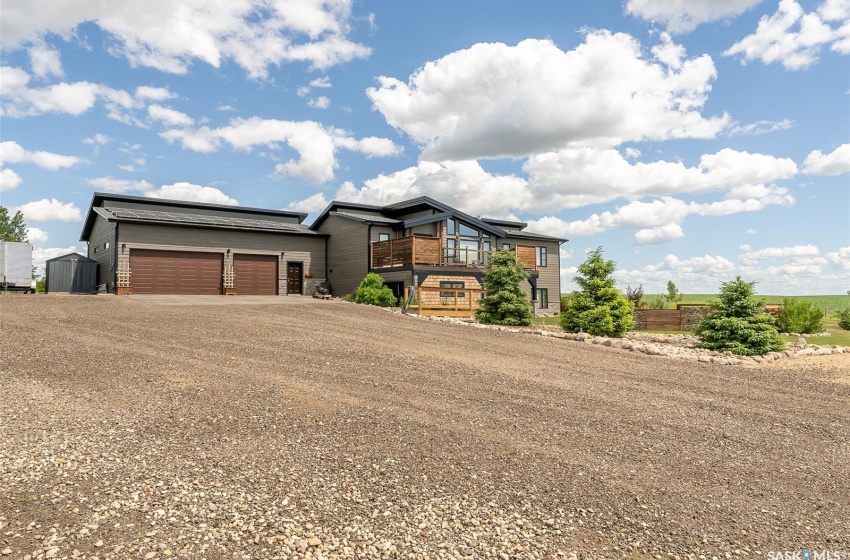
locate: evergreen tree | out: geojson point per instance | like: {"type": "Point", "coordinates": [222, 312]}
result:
{"type": "Point", "coordinates": [506, 303]}
{"type": "Point", "coordinates": [738, 322]}
{"type": "Point", "coordinates": [598, 308]}
{"type": "Point", "coordinates": [12, 228]}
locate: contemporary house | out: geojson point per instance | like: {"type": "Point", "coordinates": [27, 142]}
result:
{"type": "Point", "coordinates": [153, 246]}
{"type": "Point", "coordinates": [423, 242]}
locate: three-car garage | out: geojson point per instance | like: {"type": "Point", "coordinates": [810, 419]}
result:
{"type": "Point", "coordinates": [154, 246]}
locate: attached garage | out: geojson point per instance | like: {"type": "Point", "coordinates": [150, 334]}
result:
{"type": "Point", "coordinates": [176, 272]}
{"type": "Point", "coordinates": [255, 274]}
{"type": "Point", "coordinates": [156, 246]}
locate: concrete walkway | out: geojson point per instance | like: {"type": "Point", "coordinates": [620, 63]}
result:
{"type": "Point", "coordinates": [228, 300]}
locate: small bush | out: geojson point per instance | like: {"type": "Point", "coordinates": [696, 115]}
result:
{"type": "Point", "coordinates": [844, 319]}
{"type": "Point", "coordinates": [635, 295]}
{"type": "Point", "coordinates": [658, 302]}
{"type": "Point", "coordinates": [800, 316]}
{"type": "Point", "coordinates": [372, 291]}
{"type": "Point", "coordinates": [347, 297]}
{"type": "Point", "coordinates": [40, 285]}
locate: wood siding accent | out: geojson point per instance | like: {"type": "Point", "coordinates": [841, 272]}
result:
{"type": "Point", "coordinates": [255, 274]}
{"type": "Point", "coordinates": [526, 255]}
{"type": "Point", "coordinates": [103, 232]}
{"type": "Point", "coordinates": [348, 253]}
{"type": "Point", "coordinates": [175, 272]}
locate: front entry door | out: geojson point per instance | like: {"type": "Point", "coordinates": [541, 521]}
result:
{"type": "Point", "coordinates": [294, 272]}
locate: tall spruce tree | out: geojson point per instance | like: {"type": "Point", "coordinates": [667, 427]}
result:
{"type": "Point", "coordinates": [506, 303]}
{"type": "Point", "coordinates": [598, 308]}
{"type": "Point", "coordinates": [738, 322]}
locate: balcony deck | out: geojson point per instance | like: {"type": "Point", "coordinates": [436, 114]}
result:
{"type": "Point", "coordinates": [429, 251]}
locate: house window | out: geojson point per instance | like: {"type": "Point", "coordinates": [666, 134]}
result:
{"type": "Point", "coordinates": [95, 249]}
{"type": "Point", "coordinates": [541, 256]}
{"type": "Point", "coordinates": [450, 227]}
{"type": "Point", "coordinates": [467, 231]}
{"type": "Point", "coordinates": [383, 237]}
{"type": "Point", "coordinates": [454, 285]}
{"type": "Point", "coordinates": [543, 297]}
{"type": "Point", "coordinates": [506, 246]}
{"type": "Point", "coordinates": [106, 245]}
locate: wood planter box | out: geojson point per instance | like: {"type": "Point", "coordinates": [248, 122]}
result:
{"type": "Point", "coordinates": [124, 291]}
{"type": "Point", "coordinates": [230, 291]}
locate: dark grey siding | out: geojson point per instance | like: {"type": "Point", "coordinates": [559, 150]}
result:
{"type": "Point", "coordinates": [208, 211]}
{"type": "Point", "coordinates": [309, 250]}
{"type": "Point", "coordinates": [550, 275]}
{"type": "Point", "coordinates": [103, 232]}
{"type": "Point", "coordinates": [348, 252]}
{"type": "Point", "coordinates": [71, 275]}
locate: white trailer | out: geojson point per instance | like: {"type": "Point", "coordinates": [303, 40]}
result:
{"type": "Point", "coordinates": [16, 267]}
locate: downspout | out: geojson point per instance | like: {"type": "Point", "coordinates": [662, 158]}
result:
{"type": "Point", "coordinates": [369, 248]}
{"type": "Point", "coordinates": [326, 260]}
{"type": "Point", "coordinates": [115, 262]}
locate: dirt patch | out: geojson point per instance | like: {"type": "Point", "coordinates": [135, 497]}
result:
{"type": "Point", "coordinates": [256, 431]}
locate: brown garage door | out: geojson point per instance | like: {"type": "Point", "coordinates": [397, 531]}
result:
{"type": "Point", "coordinates": [255, 275]}
{"type": "Point", "coordinates": [175, 272]}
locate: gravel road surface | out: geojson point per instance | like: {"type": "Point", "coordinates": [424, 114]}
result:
{"type": "Point", "coordinates": [331, 430]}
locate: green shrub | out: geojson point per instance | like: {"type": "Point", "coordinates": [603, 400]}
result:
{"type": "Point", "coordinates": [738, 322]}
{"type": "Point", "coordinates": [658, 302]}
{"type": "Point", "coordinates": [844, 319]}
{"type": "Point", "coordinates": [372, 291]}
{"type": "Point", "coordinates": [40, 285]}
{"type": "Point", "coordinates": [800, 316]}
{"type": "Point", "coordinates": [598, 308]}
{"type": "Point", "coordinates": [505, 303]}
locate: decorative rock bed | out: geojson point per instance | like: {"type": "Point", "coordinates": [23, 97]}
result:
{"type": "Point", "coordinates": [676, 346]}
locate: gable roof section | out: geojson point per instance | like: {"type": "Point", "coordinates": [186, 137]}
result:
{"type": "Point", "coordinates": [505, 223]}
{"type": "Point", "coordinates": [426, 201]}
{"type": "Point", "coordinates": [364, 217]}
{"type": "Point", "coordinates": [99, 206]}
{"type": "Point", "coordinates": [78, 256]}
{"type": "Point", "coordinates": [399, 209]}
{"type": "Point", "coordinates": [532, 235]}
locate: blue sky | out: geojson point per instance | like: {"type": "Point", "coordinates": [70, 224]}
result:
{"type": "Point", "coordinates": [694, 140]}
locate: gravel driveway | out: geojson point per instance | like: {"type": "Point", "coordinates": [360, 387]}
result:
{"type": "Point", "coordinates": [132, 430]}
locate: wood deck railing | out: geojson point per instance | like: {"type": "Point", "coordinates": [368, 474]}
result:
{"type": "Point", "coordinates": [429, 251]}
{"type": "Point", "coordinates": [448, 302]}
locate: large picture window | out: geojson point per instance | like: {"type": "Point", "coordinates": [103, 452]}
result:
{"type": "Point", "coordinates": [450, 284]}
{"type": "Point", "coordinates": [542, 257]}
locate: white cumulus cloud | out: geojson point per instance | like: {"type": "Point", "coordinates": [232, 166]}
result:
{"type": "Point", "coordinates": [494, 100]}
{"type": "Point", "coordinates": [9, 180]}
{"type": "Point", "coordinates": [315, 144]}
{"type": "Point", "coordinates": [659, 234]}
{"type": "Point", "coordinates": [169, 116]}
{"type": "Point", "coordinates": [833, 163]}
{"type": "Point", "coordinates": [36, 236]}
{"type": "Point", "coordinates": [110, 184]}
{"type": "Point", "coordinates": [12, 152]}
{"type": "Point", "coordinates": [47, 210]}
{"type": "Point", "coordinates": [681, 16]}
{"type": "Point", "coordinates": [793, 37]}
{"type": "Point", "coordinates": [45, 60]}
{"type": "Point", "coordinates": [171, 34]}
{"type": "Point", "coordinates": [192, 193]}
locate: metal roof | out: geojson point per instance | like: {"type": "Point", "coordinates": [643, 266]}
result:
{"type": "Point", "coordinates": [376, 218]}
{"type": "Point", "coordinates": [532, 235]}
{"type": "Point", "coordinates": [200, 220]}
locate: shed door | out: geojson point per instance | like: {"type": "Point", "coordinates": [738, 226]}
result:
{"type": "Point", "coordinates": [294, 272]}
{"type": "Point", "coordinates": [255, 274]}
{"type": "Point", "coordinates": [175, 272]}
